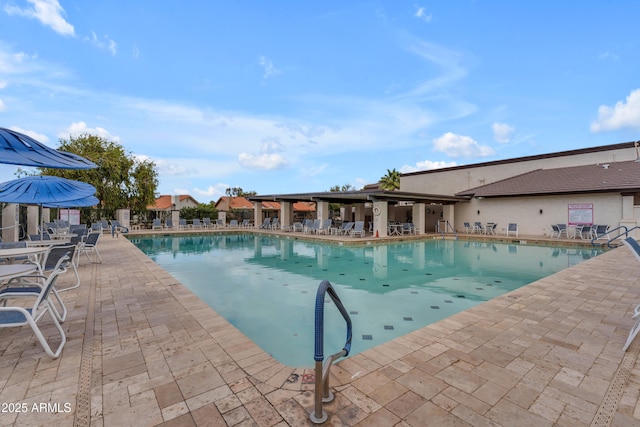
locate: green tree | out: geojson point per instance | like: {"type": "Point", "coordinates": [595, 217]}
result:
{"type": "Point", "coordinates": [338, 188]}
{"type": "Point", "coordinates": [390, 181]}
{"type": "Point", "coordinates": [238, 192]}
{"type": "Point", "coordinates": [203, 210]}
{"type": "Point", "coordinates": [121, 179]}
{"type": "Point", "coordinates": [335, 207]}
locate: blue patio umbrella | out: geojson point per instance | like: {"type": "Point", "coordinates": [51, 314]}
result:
{"type": "Point", "coordinates": [44, 190]}
{"type": "Point", "coordinates": [19, 149]}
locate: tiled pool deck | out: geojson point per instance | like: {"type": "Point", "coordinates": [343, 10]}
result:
{"type": "Point", "coordinates": [142, 350]}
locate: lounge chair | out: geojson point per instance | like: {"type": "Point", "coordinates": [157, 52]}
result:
{"type": "Point", "coordinates": [307, 223]}
{"type": "Point", "coordinates": [233, 223]}
{"type": "Point", "coordinates": [297, 226]}
{"type": "Point", "coordinates": [512, 228]}
{"type": "Point", "coordinates": [90, 245]}
{"type": "Point", "coordinates": [220, 224]}
{"type": "Point", "coordinates": [157, 224]}
{"type": "Point", "coordinates": [196, 223]}
{"type": "Point", "coordinates": [275, 224]}
{"type": "Point", "coordinates": [206, 223]}
{"type": "Point", "coordinates": [182, 224]}
{"type": "Point", "coordinates": [266, 224]}
{"type": "Point", "coordinates": [346, 228]}
{"type": "Point", "coordinates": [15, 316]}
{"type": "Point", "coordinates": [467, 227]}
{"type": "Point", "coordinates": [325, 227]}
{"type": "Point", "coordinates": [312, 226]}
{"type": "Point", "coordinates": [634, 247]}
{"type": "Point", "coordinates": [117, 228]}
{"type": "Point", "coordinates": [358, 229]}
{"type": "Point", "coordinates": [477, 227]}
{"type": "Point", "coordinates": [168, 224]}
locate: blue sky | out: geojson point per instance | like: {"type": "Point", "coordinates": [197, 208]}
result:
{"type": "Point", "coordinates": [295, 96]}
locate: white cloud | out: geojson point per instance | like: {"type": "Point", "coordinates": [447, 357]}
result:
{"type": "Point", "coordinates": [460, 146]}
{"type": "Point", "coordinates": [271, 145]}
{"type": "Point", "coordinates": [79, 128]}
{"type": "Point", "coordinates": [214, 191]}
{"type": "Point", "coordinates": [622, 115]}
{"type": "Point", "coordinates": [608, 56]}
{"type": "Point", "coordinates": [35, 135]}
{"type": "Point", "coordinates": [421, 14]}
{"type": "Point", "coordinates": [270, 70]}
{"type": "Point", "coordinates": [3, 84]}
{"type": "Point", "coordinates": [3, 106]}
{"type": "Point", "coordinates": [262, 161]}
{"type": "Point", "coordinates": [427, 165]}
{"type": "Point", "coordinates": [502, 132]}
{"type": "Point", "coordinates": [103, 43]}
{"type": "Point", "coordinates": [48, 12]}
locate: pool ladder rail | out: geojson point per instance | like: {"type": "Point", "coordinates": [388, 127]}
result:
{"type": "Point", "coordinates": [623, 233]}
{"type": "Point", "coordinates": [322, 392]}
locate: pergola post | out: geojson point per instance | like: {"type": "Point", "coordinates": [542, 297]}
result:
{"type": "Point", "coordinates": [285, 213]}
{"type": "Point", "coordinates": [322, 210]}
{"type": "Point", "coordinates": [419, 216]}
{"type": "Point", "coordinates": [257, 213]}
{"type": "Point", "coordinates": [380, 218]}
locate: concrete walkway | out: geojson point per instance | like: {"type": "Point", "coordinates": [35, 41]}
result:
{"type": "Point", "coordinates": [142, 350]}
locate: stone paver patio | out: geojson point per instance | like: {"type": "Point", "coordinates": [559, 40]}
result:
{"type": "Point", "coordinates": [142, 350]}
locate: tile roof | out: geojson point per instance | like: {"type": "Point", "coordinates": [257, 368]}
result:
{"type": "Point", "coordinates": [604, 177]}
{"type": "Point", "coordinates": [165, 201]}
{"type": "Point", "coordinates": [225, 203]}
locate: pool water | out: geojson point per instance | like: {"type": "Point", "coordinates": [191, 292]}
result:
{"type": "Point", "coordinates": [266, 286]}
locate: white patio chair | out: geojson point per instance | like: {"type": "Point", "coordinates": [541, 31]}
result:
{"type": "Point", "coordinates": [16, 316]}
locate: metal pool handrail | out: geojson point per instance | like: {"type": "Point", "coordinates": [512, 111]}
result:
{"type": "Point", "coordinates": [624, 233]}
{"type": "Point", "coordinates": [322, 393]}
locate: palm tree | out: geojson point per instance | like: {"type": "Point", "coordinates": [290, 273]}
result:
{"type": "Point", "coordinates": [391, 181]}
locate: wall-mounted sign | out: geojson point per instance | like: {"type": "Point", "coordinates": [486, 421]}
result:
{"type": "Point", "coordinates": [70, 215]}
{"type": "Point", "coordinates": [581, 214]}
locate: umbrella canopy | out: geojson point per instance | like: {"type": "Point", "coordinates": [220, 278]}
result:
{"type": "Point", "coordinates": [43, 190]}
{"type": "Point", "coordinates": [76, 203]}
{"type": "Point", "coordinates": [19, 149]}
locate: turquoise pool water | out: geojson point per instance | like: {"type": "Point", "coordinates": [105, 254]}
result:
{"type": "Point", "coordinates": [266, 286]}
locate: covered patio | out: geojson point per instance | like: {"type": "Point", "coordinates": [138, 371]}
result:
{"type": "Point", "coordinates": [378, 207]}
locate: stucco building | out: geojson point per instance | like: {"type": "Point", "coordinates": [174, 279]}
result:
{"type": "Point", "coordinates": [598, 185]}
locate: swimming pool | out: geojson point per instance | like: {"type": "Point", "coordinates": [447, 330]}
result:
{"type": "Point", "coordinates": [266, 286]}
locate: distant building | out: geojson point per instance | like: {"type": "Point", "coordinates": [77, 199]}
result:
{"type": "Point", "coordinates": [168, 203]}
{"type": "Point", "coordinates": [242, 208]}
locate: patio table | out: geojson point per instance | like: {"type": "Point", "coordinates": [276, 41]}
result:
{"type": "Point", "coordinates": [35, 253]}
{"type": "Point", "coordinates": [395, 229]}
{"type": "Point", "coordinates": [10, 271]}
